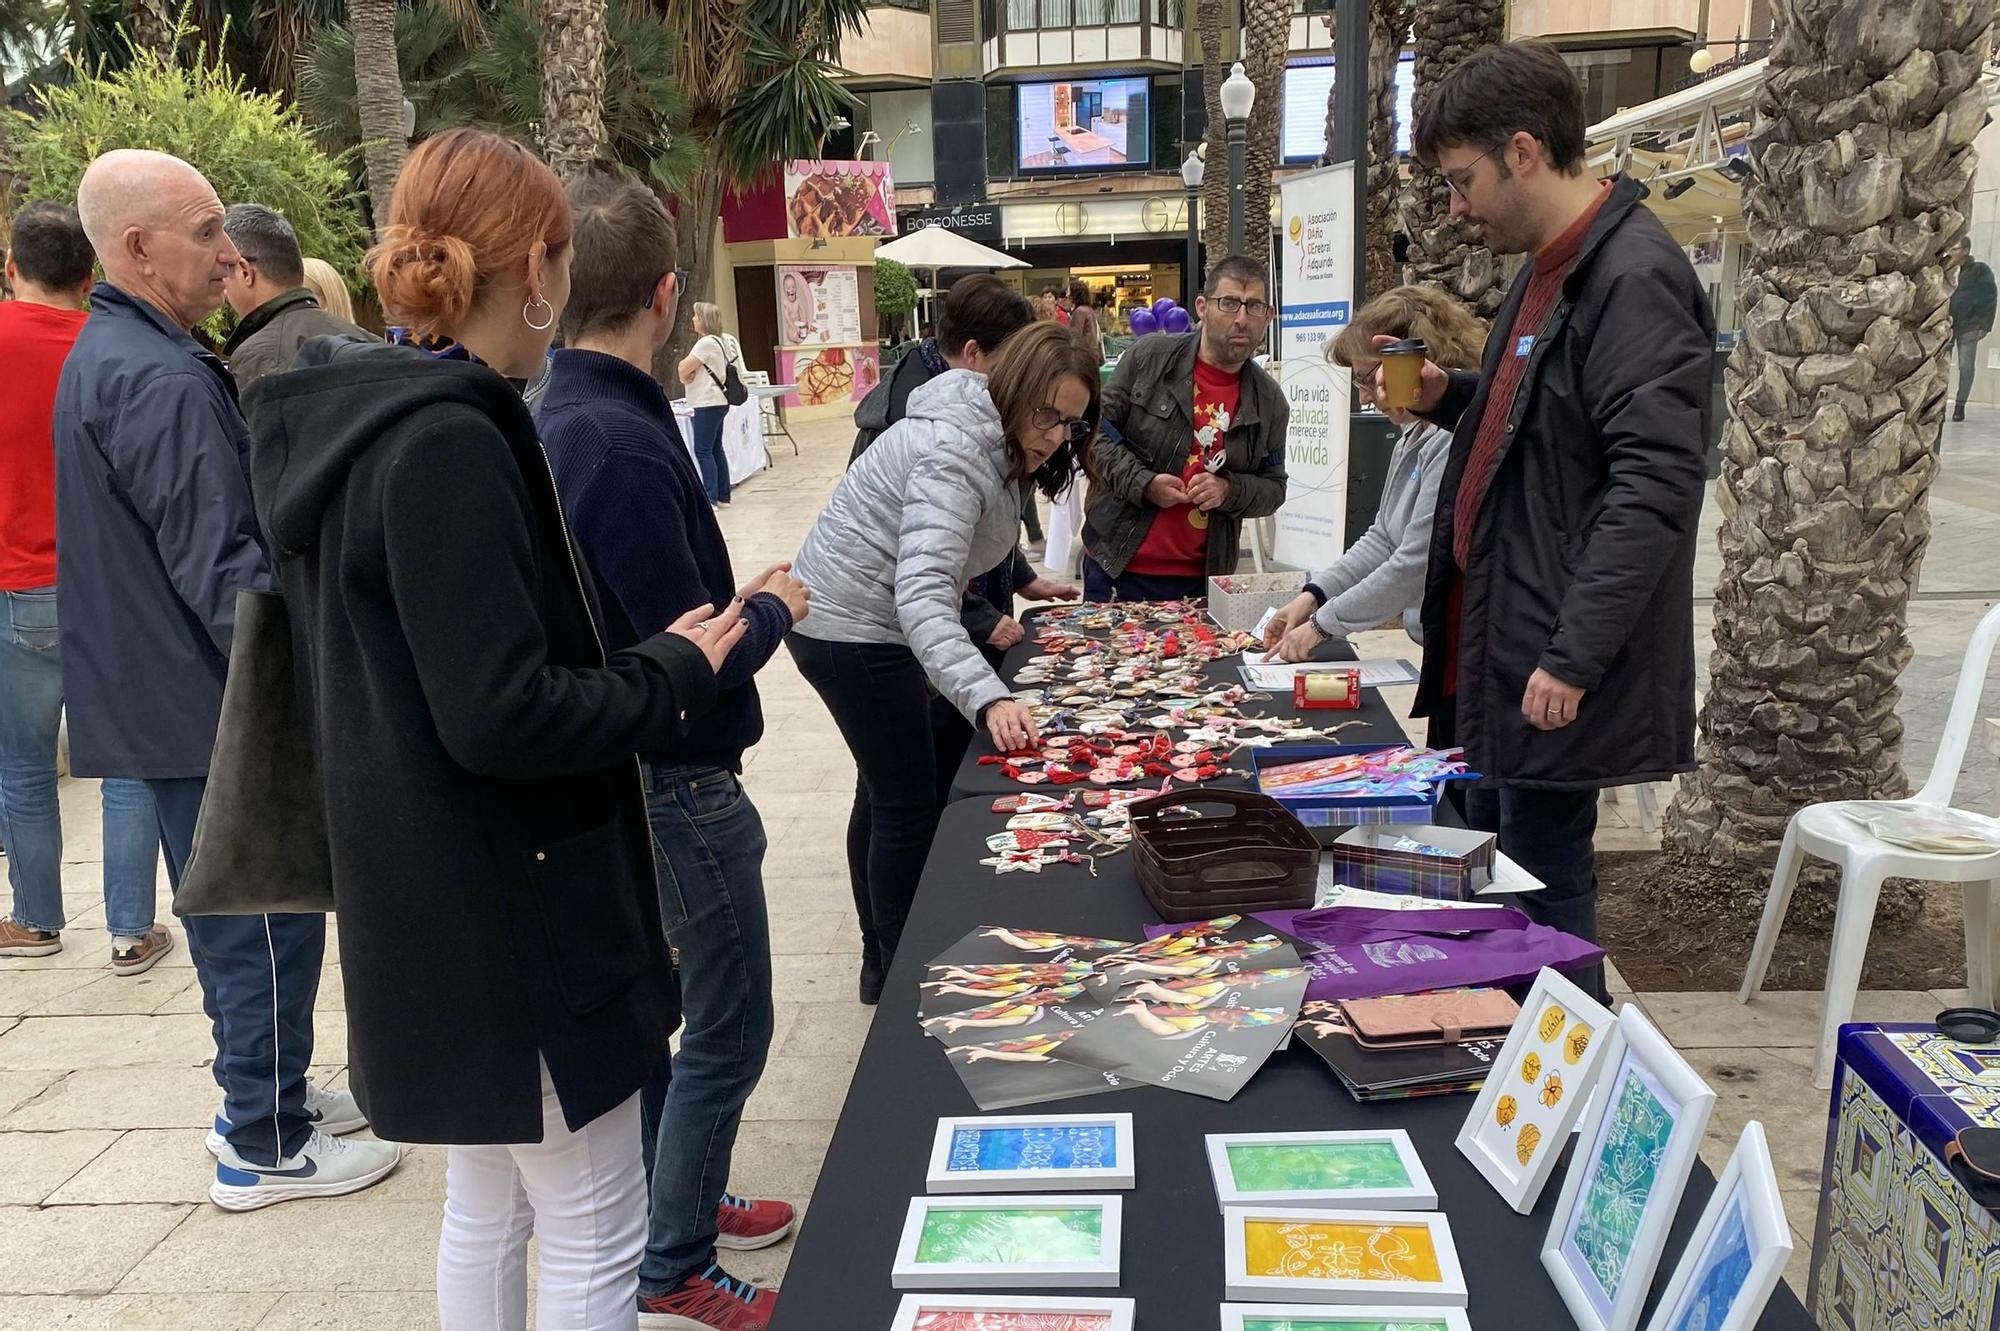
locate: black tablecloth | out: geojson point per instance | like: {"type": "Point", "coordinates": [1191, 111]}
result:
{"type": "Point", "coordinates": [838, 1279]}
{"type": "Point", "coordinates": [1381, 725]}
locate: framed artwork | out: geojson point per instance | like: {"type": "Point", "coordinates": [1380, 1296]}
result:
{"type": "Point", "coordinates": [1737, 1252]}
{"type": "Point", "coordinates": [1031, 1153]}
{"type": "Point", "coordinates": [1540, 1083]}
{"type": "Point", "coordinates": [1340, 1256]}
{"type": "Point", "coordinates": [1010, 1312]}
{"type": "Point", "coordinates": [1319, 1317]}
{"type": "Point", "coordinates": [1625, 1180]}
{"type": "Point", "coordinates": [1378, 1168]}
{"type": "Point", "coordinates": [1068, 1242]}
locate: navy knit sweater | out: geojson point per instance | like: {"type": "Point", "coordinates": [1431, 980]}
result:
{"type": "Point", "coordinates": [635, 506]}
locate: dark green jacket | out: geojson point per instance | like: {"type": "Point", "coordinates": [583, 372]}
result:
{"type": "Point", "coordinates": [1972, 304]}
{"type": "Point", "coordinates": [1149, 414]}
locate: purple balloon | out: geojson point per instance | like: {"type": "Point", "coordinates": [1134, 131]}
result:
{"type": "Point", "coordinates": [1161, 306]}
{"type": "Point", "coordinates": [1177, 320]}
{"type": "Point", "coordinates": [1144, 321]}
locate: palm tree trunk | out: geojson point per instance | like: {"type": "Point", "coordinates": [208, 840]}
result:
{"type": "Point", "coordinates": [378, 87]}
{"type": "Point", "coordinates": [1444, 253]}
{"type": "Point", "coordinates": [1209, 15]}
{"type": "Point", "coordinates": [151, 27]}
{"type": "Point", "coordinates": [1266, 29]}
{"type": "Point", "coordinates": [573, 40]}
{"type": "Point", "coordinates": [1858, 214]}
{"type": "Point", "coordinates": [1388, 30]}
{"type": "Point", "coordinates": [701, 209]}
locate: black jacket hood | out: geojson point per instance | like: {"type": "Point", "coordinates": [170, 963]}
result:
{"type": "Point", "coordinates": [310, 425]}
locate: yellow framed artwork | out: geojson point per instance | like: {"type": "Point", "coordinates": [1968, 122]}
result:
{"type": "Point", "coordinates": [1340, 1256]}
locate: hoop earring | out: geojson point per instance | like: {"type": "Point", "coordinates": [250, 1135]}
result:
{"type": "Point", "coordinates": [545, 324]}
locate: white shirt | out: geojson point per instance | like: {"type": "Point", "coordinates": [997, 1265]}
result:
{"type": "Point", "coordinates": [704, 390]}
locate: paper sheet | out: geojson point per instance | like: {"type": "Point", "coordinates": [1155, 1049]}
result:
{"type": "Point", "coordinates": [1276, 676]}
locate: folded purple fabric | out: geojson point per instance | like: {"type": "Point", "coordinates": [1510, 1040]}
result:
{"type": "Point", "coordinates": [1355, 952]}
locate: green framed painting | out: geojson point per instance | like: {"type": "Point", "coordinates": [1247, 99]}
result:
{"type": "Point", "coordinates": [1378, 1168]}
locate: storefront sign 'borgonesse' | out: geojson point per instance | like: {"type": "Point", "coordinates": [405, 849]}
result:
{"type": "Point", "coordinates": [974, 221]}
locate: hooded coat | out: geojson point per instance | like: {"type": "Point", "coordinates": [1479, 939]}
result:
{"type": "Point", "coordinates": [928, 507]}
{"type": "Point", "coordinates": [493, 871]}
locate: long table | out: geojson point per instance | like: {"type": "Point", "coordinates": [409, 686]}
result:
{"type": "Point", "coordinates": [838, 1279]}
{"type": "Point", "coordinates": [1378, 722]}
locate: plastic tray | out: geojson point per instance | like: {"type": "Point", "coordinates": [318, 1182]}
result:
{"type": "Point", "coordinates": [1238, 852]}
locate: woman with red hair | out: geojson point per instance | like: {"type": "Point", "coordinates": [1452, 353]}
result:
{"type": "Point", "coordinates": [508, 982]}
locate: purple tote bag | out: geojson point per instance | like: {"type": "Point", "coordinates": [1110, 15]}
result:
{"type": "Point", "coordinates": [1361, 953]}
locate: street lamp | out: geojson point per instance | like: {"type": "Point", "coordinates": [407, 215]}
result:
{"type": "Point", "coordinates": [1192, 170]}
{"type": "Point", "coordinates": [1238, 94]}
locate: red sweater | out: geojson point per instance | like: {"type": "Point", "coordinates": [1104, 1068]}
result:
{"type": "Point", "coordinates": [34, 342]}
{"type": "Point", "coordinates": [1552, 265]}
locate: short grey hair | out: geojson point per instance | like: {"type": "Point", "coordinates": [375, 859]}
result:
{"type": "Point", "coordinates": [265, 239]}
{"type": "Point", "coordinates": [710, 315]}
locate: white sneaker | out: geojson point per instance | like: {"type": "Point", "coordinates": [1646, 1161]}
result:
{"type": "Point", "coordinates": [332, 1112]}
{"type": "Point", "coordinates": [324, 1167]}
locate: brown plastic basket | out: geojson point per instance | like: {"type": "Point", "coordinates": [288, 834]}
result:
{"type": "Point", "coordinates": [1205, 853]}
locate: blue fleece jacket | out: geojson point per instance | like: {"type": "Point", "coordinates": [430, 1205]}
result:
{"type": "Point", "coordinates": [635, 507]}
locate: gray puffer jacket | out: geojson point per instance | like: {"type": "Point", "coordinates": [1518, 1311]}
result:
{"type": "Point", "coordinates": [924, 510]}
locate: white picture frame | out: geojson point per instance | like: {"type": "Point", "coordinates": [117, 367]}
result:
{"type": "Point", "coordinates": [1649, 1104]}
{"type": "Point", "coordinates": [1738, 1250]}
{"type": "Point", "coordinates": [949, 1171]}
{"type": "Point", "coordinates": [1511, 1106]}
{"type": "Point", "coordinates": [913, 1270]}
{"type": "Point", "coordinates": [1240, 1283]}
{"type": "Point", "coordinates": [1254, 1316]}
{"type": "Point", "coordinates": [913, 1306]}
{"type": "Point", "coordinates": [1231, 1188]}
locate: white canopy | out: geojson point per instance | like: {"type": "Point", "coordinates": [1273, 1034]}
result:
{"type": "Point", "coordinates": [934, 247]}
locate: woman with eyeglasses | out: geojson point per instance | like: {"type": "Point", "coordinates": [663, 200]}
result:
{"type": "Point", "coordinates": [931, 504]}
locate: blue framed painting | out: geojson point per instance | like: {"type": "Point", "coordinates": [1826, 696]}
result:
{"type": "Point", "coordinates": [1738, 1251]}
{"type": "Point", "coordinates": [1031, 1153]}
{"type": "Point", "coordinates": [1624, 1183]}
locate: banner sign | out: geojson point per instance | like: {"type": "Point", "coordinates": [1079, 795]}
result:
{"type": "Point", "coordinates": [839, 199]}
{"type": "Point", "coordinates": [1317, 208]}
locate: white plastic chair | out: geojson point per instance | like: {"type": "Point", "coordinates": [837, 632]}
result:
{"type": "Point", "coordinates": [1826, 831]}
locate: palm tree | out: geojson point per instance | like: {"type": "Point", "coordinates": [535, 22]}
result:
{"type": "Point", "coordinates": [1857, 211]}
{"type": "Point", "coordinates": [1443, 253]}
{"type": "Point", "coordinates": [572, 63]}
{"type": "Point", "coordinates": [758, 77]}
{"type": "Point", "coordinates": [1388, 31]}
{"type": "Point", "coordinates": [1209, 27]}
{"type": "Point", "coordinates": [378, 85]}
{"type": "Point", "coordinates": [1266, 33]}
{"type": "Point", "coordinates": [152, 28]}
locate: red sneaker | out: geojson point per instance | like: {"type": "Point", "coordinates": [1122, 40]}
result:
{"type": "Point", "coordinates": [710, 1301]}
{"type": "Point", "coordinates": [744, 1224]}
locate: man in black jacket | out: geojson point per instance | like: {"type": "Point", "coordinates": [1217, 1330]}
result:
{"type": "Point", "coordinates": [277, 314]}
{"type": "Point", "coordinates": [1558, 612]}
{"type": "Point", "coordinates": [1972, 308]}
{"type": "Point", "coordinates": [1193, 446]}
{"type": "Point", "coordinates": [158, 536]}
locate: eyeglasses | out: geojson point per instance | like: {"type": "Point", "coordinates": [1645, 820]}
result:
{"type": "Point", "coordinates": [1234, 305]}
{"type": "Point", "coordinates": [680, 285]}
{"type": "Point", "coordinates": [1460, 181]}
{"type": "Point", "coordinates": [1048, 418]}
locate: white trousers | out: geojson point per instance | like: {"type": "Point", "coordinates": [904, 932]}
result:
{"type": "Point", "coordinates": [582, 1195]}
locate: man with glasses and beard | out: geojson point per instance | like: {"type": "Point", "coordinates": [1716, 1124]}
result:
{"type": "Point", "coordinates": [1558, 612]}
{"type": "Point", "coordinates": [1193, 444]}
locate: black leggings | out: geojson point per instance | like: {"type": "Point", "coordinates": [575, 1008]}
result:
{"type": "Point", "coordinates": [882, 705]}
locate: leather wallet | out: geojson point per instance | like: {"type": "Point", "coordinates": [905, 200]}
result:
{"type": "Point", "coordinates": [1412, 1021]}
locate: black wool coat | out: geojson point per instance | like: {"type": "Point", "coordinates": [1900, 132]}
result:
{"type": "Point", "coordinates": [1582, 556]}
{"type": "Point", "coordinates": [493, 869]}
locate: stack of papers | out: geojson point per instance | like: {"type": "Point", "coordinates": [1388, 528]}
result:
{"type": "Point", "coordinates": [1934, 830]}
{"type": "Point", "coordinates": [1276, 676]}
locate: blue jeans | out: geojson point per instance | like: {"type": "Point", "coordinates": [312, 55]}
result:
{"type": "Point", "coordinates": [259, 978]}
{"type": "Point", "coordinates": [31, 698]}
{"type": "Point", "coordinates": [708, 453]}
{"type": "Point", "coordinates": [1552, 834]}
{"type": "Point", "coordinates": [1129, 586]}
{"type": "Point", "coordinates": [711, 847]}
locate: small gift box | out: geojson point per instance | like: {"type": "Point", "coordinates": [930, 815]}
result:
{"type": "Point", "coordinates": [1414, 860]}
{"type": "Point", "coordinates": [1327, 688]}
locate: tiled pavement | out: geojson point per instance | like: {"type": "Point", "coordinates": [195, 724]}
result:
{"type": "Point", "coordinates": [105, 1090]}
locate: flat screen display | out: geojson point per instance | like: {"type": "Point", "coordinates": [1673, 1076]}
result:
{"type": "Point", "coordinates": [1085, 125]}
{"type": "Point", "coordinates": [1306, 90]}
